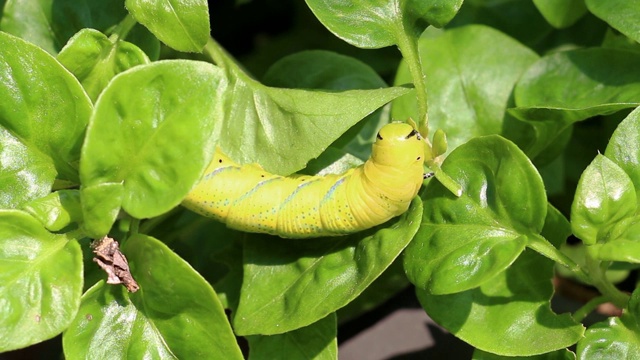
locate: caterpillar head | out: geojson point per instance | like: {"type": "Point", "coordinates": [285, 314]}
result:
{"type": "Point", "coordinates": [398, 144]}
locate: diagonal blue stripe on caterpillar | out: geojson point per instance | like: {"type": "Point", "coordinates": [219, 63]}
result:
{"type": "Point", "coordinates": [249, 199]}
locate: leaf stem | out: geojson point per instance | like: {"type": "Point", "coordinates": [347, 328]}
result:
{"type": "Point", "coordinates": [589, 307]}
{"type": "Point", "coordinates": [409, 50]}
{"type": "Point", "coordinates": [596, 270]}
{"type": "Point", "coordinates": [546, 249]}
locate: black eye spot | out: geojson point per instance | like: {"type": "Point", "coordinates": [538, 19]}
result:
{"type": "Point", "coordinates": [378, 137]}
{"type": "Point", "coordinates": [220, 161]}
{"type": "Point", "coordinates": [419, 158]}
{"type": "Point", "coordinates": [261, 175]}
{"type": "Point", "coordinates": [412, 133]}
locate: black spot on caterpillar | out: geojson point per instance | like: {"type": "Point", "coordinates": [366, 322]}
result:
{"type": "Point", "coordinates": [301, 206]}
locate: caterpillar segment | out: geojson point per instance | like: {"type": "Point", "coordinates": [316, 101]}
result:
{"type": "Point", "coordinates": [247, 198]}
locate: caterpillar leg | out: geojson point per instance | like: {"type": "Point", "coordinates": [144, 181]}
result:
{"type": "Point", "coordinates": [428, 175]}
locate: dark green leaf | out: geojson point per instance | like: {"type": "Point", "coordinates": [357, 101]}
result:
{"type": "Point", "coordinates": [620, 14]}
{"type": "Point", "coordinates": [181, 24]}
{"type": "Point", "coordinates": [467, 85]}
{"type": "Point", "coordinates": [42, 105]}
{"type": "Point", "coordinates": [289, 284]}
{"type": "Point", "coordinates": [465, 241]}
{"type": "Point", "coordinates": [368, 24]}
{"type": "Point", "coordinates": [561, 14]}
{"type": "Point", "coordinates": [94, 59]}
{"type": "Point", "coordinates": [175, 314]}
{"type": "Point", "coordinates": [155, 138]}
{"type": "Point", "coordinates": [40, 281]}
{"type": "Point", "coordinates": [316, 341]}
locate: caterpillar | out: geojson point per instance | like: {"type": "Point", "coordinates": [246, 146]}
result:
{"type": "Point", "coordinates": [250, 199]}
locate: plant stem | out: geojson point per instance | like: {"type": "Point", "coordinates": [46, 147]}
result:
{"type": "Point", "coordinates": [599, 280]}
{"type": "Point", "coordinates": [588, 308]}
{"type": "Point", "coordinates": [409, 50]}
{"type": "Point", "coordinates": [123, 28]}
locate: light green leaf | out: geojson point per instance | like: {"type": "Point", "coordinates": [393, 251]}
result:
{"type": "Point", "coordinates": [376, 24]}
{"type": "Point", "coordinates": [624, 148]}
{"type": "Point", "coordinates": [25, 172]}
{"type": "Point", "coordinates": [50, 23]}
{"type": "Point", "coordinates": [289, 284]}
{"type": "Point", "coordinates": [42, 105]}
{"type": "Point", "coordinates": [564, 354]}
{"type": "Point", "coordinates": [100, 207]}
{"type": "Point", "coordinates": [574, 85]}
{"type": "Point", "coordinates": [56, 210]}
{"type": "Point", "coordinates": [561, 14]}
{"type": "Point", "coordinates": [468, 86]}
{"type": "Point", "coordinates": [615, 338]}
{"type": "Point", "coordinates": [466, 241]}
{"type": "Point", "coordinates": [154, 131]}
{"type": "Point", "coordinates": [94, 59]}
{"type": "Point", "coordinates": [326, 70]}
{"type": "Point", "coordinates": [174, 315]}
{"type": "Point", "coordinates": [605, 196]}
{"type": "Point", "coordinates": [316, 341]}
{"type": "Point", "coordinates": [181, 24]}
{"type": "Point", "coordinates": [282, 129]}
{"type": "Point", "coordinates": [40, 281]}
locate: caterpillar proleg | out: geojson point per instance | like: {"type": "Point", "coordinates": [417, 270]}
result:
{"type": "Point", "coordinates": [250, 199]}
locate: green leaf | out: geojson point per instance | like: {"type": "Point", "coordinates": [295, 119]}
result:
{"type": "Point", "coordinates": [623, 242]}
{"type": "Point", "coordinates": [282, 129]}
{"type": "Point", "coordinates": [315, 341]}
{"type": "Point", "coordinates": [154, 131]}
{"type": "Point", "coordinates": [570, 86]}
{"type": "Point", "coordinates": [620, 14]}
{"type": "Point", "coordinates": [42, 105]}
{"type": "Point", "coordinates": [368, 24]}
{"type": "Point", "coordinates": [50, 23]}
{"type": "Point", "coordinates": [514, 304]}
{"type": "Point", "coordinates": [175, 314]}
{"type": "Point", "coordinates": [615, 338]}
{"type": "Point", "coordinates": [100, 207]}
{"type": "Point", "coordinates": [563, 354]}
{"type": "Point", "coordinates": [507, 16]}
{"type": "Point", "coordinates": [624, 148]}
{"type": "Point", "coordinates": [181, 24]}
{"type": "Point", "coordinates": [561, 14]}
{"type": "Point", "coordinates": [94, 59]}
{"type": "Point", "coordinates": [326, 70]}
{"type": "Point", "coordinates": [605, 196]}
{"type": "Point", "coordinates": [466, 241]}
{"type": "Point", "coordinates": [40, 281]}
{"type": "Point", "coordinates": [468, 86]}
{"type": "Point", "coordinates": [25, 173]}
{"type": "Point", "coordinates": [289, 284]}
{"type": "Point", "coordinates": [57, 210]}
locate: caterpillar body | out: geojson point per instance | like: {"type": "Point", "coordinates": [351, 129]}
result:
{"type": "Point", "coordinates": [250, 199]}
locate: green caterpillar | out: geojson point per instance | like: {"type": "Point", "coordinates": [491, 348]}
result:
{"type": "Point", "coordinates": [249, 199]}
